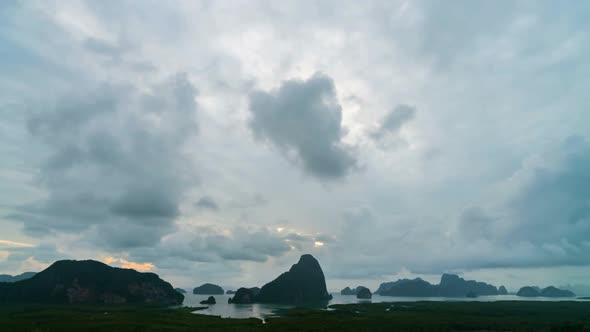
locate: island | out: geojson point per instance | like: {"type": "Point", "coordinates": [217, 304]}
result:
{"type": "Point", "coordinates": [22, 276]}
{"type": "Point", "coordinates": [363, 293]}
{"type": "Point", "coordinates": [208, 289]}
{"type": "Point", "coordinates": [244, 295]}
{"type": "Point", "coordinates": [303, 283]}
{"type": "Point", "coordinates": [90, 282]}
{"type": "Point", "coordinates": [450, 286]}
{"type": "Point", "coordinates": [354, 291]}
{"type": "Point", "coordinates": [551, 291]}
{"type": "Point", "coordinates": [209, 300]}
{"type": "Point", "coordinates": [348, 291]}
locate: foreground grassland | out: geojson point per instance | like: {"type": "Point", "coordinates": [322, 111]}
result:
{"type": "Point", "coordinates": [407, 316]}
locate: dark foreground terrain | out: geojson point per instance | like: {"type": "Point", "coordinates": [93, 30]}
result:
{"type": "Point", "coordinates": [400, 316]}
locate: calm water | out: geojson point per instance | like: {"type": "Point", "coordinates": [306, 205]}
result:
{"type": "Point", "coordinates": [258, 310]}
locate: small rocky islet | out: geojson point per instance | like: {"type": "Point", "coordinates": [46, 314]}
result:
{"type": "Point", "coordinates": [209, 300]}
{"type": "Point", "coordinates": [363, 293]}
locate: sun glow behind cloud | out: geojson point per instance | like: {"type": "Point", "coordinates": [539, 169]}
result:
{"type": "Point", "coordinates": [4, 255]}
{"type": "Point", "coordinates": [121, 262]}
{"type": "Point", "coordinates": [16, 244]}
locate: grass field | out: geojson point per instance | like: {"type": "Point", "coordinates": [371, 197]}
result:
{"type": "Point", "coordinates": [406, 316]}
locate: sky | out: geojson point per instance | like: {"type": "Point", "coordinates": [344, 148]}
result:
{"type": "Point", "coordinates": [217, 141]}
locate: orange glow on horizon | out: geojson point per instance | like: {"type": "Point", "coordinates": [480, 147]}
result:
{"type": "Point", "coordinates": [142, 267]}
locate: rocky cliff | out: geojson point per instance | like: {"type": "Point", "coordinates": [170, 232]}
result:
{"type": "Point", "coordinates": [304, 282]}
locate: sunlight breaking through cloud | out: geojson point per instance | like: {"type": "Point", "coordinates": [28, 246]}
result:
{"type": "Point", "coordinates": [121, 262]}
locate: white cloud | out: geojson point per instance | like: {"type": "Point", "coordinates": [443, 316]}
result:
{"type": "Point", "coordinates": [496, 91]}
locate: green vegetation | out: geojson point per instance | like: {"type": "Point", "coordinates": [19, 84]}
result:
{"type": "Point", "coordinates": [65, 318]}
{"type": "Point", "coordinates": [400, 316]}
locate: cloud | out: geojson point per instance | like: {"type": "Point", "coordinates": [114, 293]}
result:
{"type": "Point", "coordinates": [115, 165]}
{"type": "Point", "coordinates": [15, 244]}
{"type": "Point", "coordinates": [4, 255]}
{"type": "Point", "coordinates": [207, 202]}
{"type": "Point", "coordinates": [551, 202]}
{"type": "Point", "coordinates": [542, 219]}
{"type": "Point", "coordinates": [145, 202]}
{"type": "Point", "coordinates": [475, 223]}
{"type": "Point", "coordinates": [303, 117]}
{"type": "Point", "coordinates": [393, 121]}
{"type": "Point", "coordinates": [249, 201]}
{"type": "Point", "coordinates": [108, 165]}
{"type": "Point", "coordinates": [241, 244]}
{"type": "Point", "coordinates": [215, 244]}
{"type": "Point", "coordinates": [121, 262]}
{"type": "Point", "coordinates": [18, 259]}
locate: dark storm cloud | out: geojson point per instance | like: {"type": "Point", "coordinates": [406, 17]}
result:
{"type": "Point", "coordinates": [394, 120]}
{"type": "Point", "coordinates": [554, 202]}
{"type": "Point", "coordinates": [304, 117]}
{"type": "Point", "coordinates": [125, 234]}
{"type": "Point", "coordinates": [545, 221]}
{"type": "Point", "coordinates": [145, 202]}
{"type": "Point", "coordinates": [114, 163]}
{"type": "Point", "coordinates": [207, 203]}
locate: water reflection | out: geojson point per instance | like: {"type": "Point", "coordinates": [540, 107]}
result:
{"type": "Point", "coordinates": [263, 310]}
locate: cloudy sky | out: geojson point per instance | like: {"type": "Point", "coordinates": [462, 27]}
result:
{"type": "Point", "coordinates": [217, 141]}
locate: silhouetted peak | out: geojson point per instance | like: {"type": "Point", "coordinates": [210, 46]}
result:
{"type": "Point", "coordinates": [307, 260]}
{"type": "Point", "coordinates": [89, 281]}
{"type": "Point", "coordinates": [448, 278]}
{"type": "Point", "coordinates": [304, 282]}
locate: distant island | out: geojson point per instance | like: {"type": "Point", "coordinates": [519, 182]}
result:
{"type": "Point", "coordinates": [208, 289]}
{"type": "Point", "coordinates": [354, 291]}
{"type": "Point", "coordinates": [533, 291]}
{"type": "Point", "coordinates": [348, 291]}
{"type": "Point", "coordinates": [90, 282]}
{"type": "Point", "coordinates": [180, 290]}
{"type": "Point", "coordinates": [23, 276]}
{"type": "Point", "coordinates": [450, 286]}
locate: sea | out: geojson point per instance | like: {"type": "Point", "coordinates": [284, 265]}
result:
{"type": "Point", "coordinates": [263, 311]}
